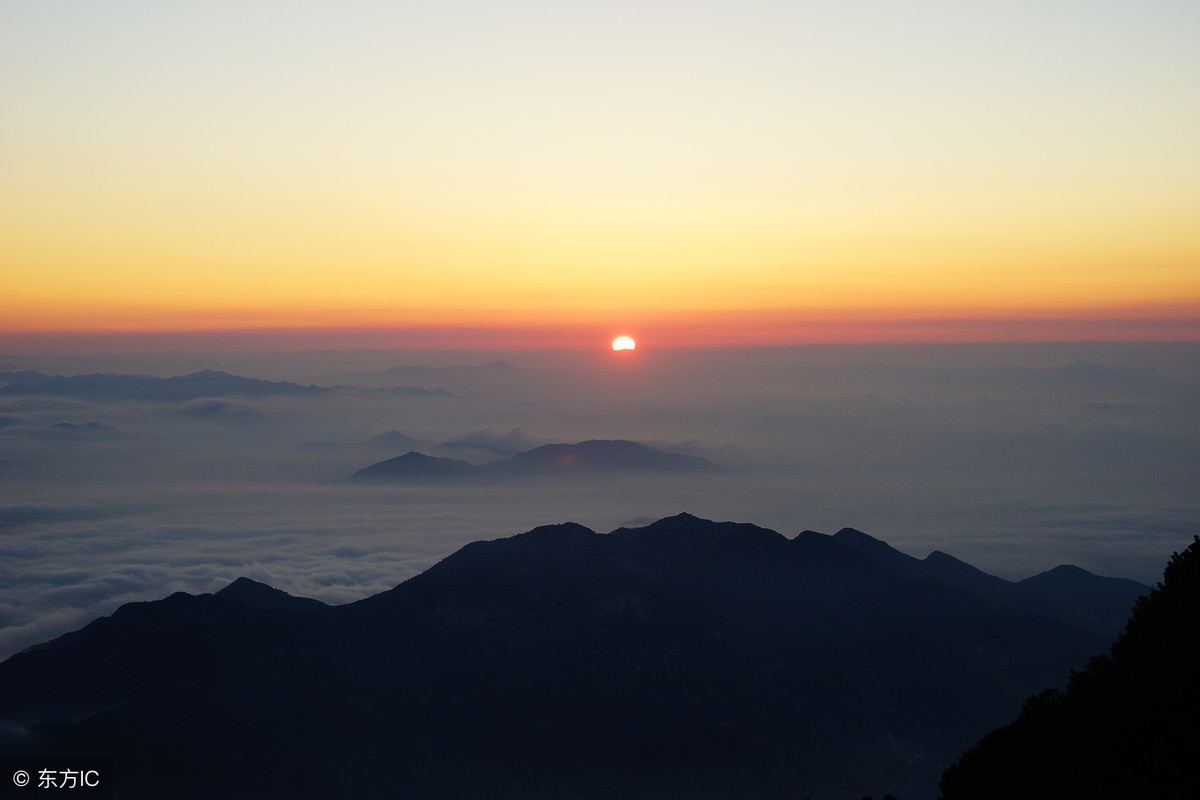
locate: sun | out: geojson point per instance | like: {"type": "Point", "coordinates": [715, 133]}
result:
{"type": "Point", "coordinates": [623, 343]}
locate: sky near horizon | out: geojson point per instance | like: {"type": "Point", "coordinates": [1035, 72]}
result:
{"type": "Point", "coordinates": [705, 172]}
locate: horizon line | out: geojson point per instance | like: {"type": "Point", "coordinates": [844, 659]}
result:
{"type": "Point", "coordinates": [721, 333]}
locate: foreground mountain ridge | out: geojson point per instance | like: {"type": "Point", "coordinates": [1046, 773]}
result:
{"type": "Point", "coordinates": [683, 658]}
{"type": "Point", "coordinates": [1067, 593]}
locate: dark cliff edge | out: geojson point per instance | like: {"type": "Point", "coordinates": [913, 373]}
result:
{"type": "Point", "coordinates": [1127, 726]}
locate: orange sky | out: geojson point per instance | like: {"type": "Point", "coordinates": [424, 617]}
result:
{"type": "Point", "coordinates": [753, 174]}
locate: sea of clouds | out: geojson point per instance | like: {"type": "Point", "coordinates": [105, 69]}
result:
{"type": "Point", "coordinates": [1015, 458]}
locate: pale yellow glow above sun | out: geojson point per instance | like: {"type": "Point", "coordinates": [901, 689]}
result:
{"type": "Point", "coordinates": [749, 176]}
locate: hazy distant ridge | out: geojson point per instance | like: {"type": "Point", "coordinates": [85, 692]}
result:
{"type": "Point", "coordinates": [593, 455]}
{"type": "Point", "coordinates": [206, 383]}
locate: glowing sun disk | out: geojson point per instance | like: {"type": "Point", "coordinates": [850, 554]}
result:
{"type": "Point", "coordinates": [623, 343]}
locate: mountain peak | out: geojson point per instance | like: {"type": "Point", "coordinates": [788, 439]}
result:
{"type": "Point", "coordinates": [244, 583]}
{"type": "Point", "coordinates": [686, 529]}
{"type": "Point", "coordinates": [857, 539]}
{"type": "Point", "coordinates": [878, 551]}
{"type": "Point", "coordinates": [683, 517]}
{"type": "Point", "coordinates": [248, 592]}
{"type": "Point", "coordinates": [1065, 570]}
{"type": "Point", "coordinates": [562, 531]}
{"type": "Point", "coordinates": [415, 466]}
{"type": "Point", "coordinates": [942, 557]}
{"type": "Point", "coordinates": [1083, 598]}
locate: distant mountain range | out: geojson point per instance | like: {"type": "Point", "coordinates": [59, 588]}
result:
{"type": "Point", "coordinates": [591, 456]}
{"type": "Point", "coordinates": [686, 658]}
{"type": "Point", "coordinates": [206, 383]}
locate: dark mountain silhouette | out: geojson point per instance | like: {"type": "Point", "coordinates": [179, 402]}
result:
{"type": "Point", "coordinates": [207, 383]}
{"type": "Point", "coordinates": [1066, 593]}
{"type": "Point", "coordinates": [414, 466]}
{"type": "Point", "coordinates": [1077, 596]}
{"type": "Point", "coordinates": [247, 592]}
{"type": "Point", "coordinates": [1127, 726]}
{"type": "Point", "coordinates": [686, 658]}
{"type": "Point", "coordinates": [936, 565]}
{"type": "Point", "coordinates": [591, 456]}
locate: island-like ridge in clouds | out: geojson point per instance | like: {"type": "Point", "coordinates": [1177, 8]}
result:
{"type": "Point", "coordinates": [591, 456]}
{"type": "Point", "coordinates": [687, 658]}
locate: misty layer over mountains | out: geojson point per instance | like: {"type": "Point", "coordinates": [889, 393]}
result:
{"type": "Point", "coordinates": [126, 478]}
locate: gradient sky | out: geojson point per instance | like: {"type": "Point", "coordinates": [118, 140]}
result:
{"type": "Point", "coordinates": [702, 171]}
